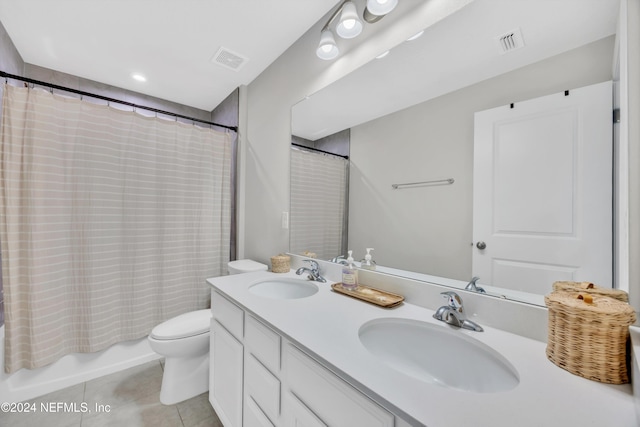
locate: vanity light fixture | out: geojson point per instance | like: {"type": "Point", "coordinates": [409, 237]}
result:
{"type": "Point", "coordinates": [377, 9]}
{"type": "Point", "coordinates": [383, 54]}
{"type": "Point", "coordinates": [327, 49]}
{"type": "Point", "coordinates": [381, 7]}
{"type": "Point", "coordinates": [349, 24]}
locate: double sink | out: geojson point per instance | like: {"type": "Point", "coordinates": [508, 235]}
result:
{"type": "Point", "coordinates": [425, 351]}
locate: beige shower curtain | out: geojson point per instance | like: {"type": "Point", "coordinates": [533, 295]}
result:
{"type": "Point", "coordinates": [319, 184]}
{"type": "Point", "coordinates": [110, 223]}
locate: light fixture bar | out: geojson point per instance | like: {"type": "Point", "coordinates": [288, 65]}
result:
{"type": "Point", "coordinates": [350, 24]}
{"type": "Point", "coordinates": [333, 16]}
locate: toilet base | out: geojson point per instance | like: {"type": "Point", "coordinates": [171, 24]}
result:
{"type": "Point", "coordinates": [184, 378]}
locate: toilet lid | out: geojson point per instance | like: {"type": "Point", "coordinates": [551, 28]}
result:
{"type": "Point", "coordinates": [184, 325]}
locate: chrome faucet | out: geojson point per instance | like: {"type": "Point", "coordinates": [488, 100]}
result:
{"type": "Point", "coordinates": [340, 259]}
{"type": "Point", "coordinates": [471, 286]}
{"type": "Point", "coordinates": [314, 271]}
{"type": "Point", "coordinates": [453, 313]}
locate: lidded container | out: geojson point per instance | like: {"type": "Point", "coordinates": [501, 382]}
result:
{"type": "Point", "coordinates": [280, 263]}
{"type": "Point", "coordinates": [589, 287]}
{"type": "Point", "coordinates": [588, 335]}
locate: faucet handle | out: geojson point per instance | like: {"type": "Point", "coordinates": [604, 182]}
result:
{"type": "Point", "coordinates": [453, 300]}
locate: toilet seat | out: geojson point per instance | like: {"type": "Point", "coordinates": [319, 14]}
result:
{"type": "Point", "coordinates": [183, 326]}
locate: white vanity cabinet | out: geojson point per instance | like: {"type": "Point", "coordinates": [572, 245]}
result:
{"type": "Point", "coordinates": [260, 379]}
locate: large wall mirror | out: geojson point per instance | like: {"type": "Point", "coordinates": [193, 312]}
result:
{"type": "Point", "coordinates": [410, 116]}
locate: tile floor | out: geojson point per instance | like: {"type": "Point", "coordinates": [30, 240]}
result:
{"type": "Point", "coordinates": [132, 397]}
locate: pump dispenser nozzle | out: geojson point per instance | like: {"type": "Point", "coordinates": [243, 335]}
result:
{"type": "Point", "coordinates": [367, 262]}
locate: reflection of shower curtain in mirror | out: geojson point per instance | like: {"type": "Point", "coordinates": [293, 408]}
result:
{"type": "Point", "coordinates": [111, 222]}
{"type": "Point", "coordinates": [318, 203]}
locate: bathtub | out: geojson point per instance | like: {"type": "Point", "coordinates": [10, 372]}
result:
{"type": "Point", "coordinates": [71, 369]}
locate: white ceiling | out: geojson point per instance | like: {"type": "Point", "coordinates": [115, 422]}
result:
{"type": "Point", "coordinates": [456, 52]}
{"type": "Point", "coordinates": [171, 42]}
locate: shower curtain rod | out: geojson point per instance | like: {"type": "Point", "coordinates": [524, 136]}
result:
{"type": "Point", "coordinates": [304, 147]}
{"type": "Point", "coordinates": [105, 98]}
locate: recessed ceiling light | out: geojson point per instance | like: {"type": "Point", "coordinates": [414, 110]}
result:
{"type": "Point", "coordinates": [415, 36]}
{"type": "Point", "coordinates": [382, 55]}
{"type": "Point", "coordinates": [139, 77]}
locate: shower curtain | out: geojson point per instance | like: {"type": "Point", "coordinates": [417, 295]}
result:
{"type": "Point", "coordinates": [319, 188]}
{"type": "Point", "coordinates": [110, 223]}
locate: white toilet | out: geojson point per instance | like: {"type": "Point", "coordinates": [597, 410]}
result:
{"type": "Point", "coordinates": [184, 342]}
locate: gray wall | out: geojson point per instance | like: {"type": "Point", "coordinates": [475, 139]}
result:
{"type": "Point", "coordinates": [10, 60]}
{"type": "Point", "coordinates": [429, 229]}
{"type": "Point", "coordinates": [12, 63]}
{"type": "Point", "coordinates": [265, 135]}
{"type": "Point", "coordinates": [338, 143]}
{"type": "Point", "coordinates": [633, 40]}
{"type": "Point", "coordinates": [265, 120]}
{"type": "Point", "coordinates": [79, 83]}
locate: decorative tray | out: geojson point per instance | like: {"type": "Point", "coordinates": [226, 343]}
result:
{"type": "Point", "coordinates": [374, 296]}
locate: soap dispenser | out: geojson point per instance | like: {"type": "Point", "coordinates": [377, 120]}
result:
{"type": "Point", "coordinates": [349, 274]}
{"type": "Point", "coordinates": [367, 262]}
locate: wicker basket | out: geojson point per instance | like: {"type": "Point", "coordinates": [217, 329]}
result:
{"type": "Point", "coordinates": [590, 288]}
{"type": "Point", "coordinates": [588, 335]}
{"type": "Point", "coordinates": [309, 254]}
{"type": "Point", "coordinates": [281, 263]}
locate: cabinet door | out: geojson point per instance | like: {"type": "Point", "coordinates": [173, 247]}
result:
{"type": "Point", "coordinates": [262, 386]}
{"type": "Point", "coordinates": [296, 414]}
{"type": "Point", "coordinates": [226, 361]}
{"type": "Point", "coordinates": [253, 415]}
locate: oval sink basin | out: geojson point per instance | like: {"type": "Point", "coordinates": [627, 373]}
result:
{"type": "Point", "coordinates": [437, 355]}
{"type": "Point", "coordinates": [284, 289]}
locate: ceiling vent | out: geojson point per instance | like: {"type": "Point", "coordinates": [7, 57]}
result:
{"type": "Point", "coordinates": [510, 41]}
{"type": "Point", "coordinates": [229, 59]}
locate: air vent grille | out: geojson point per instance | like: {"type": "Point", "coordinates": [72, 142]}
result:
{"type": "Point", "coordinates": [229, 59]}
{"type": "Point", "coordinates": [510, 41]}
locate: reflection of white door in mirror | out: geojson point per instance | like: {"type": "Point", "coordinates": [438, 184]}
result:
{"type": "Point", "coordinates": [543, 191]}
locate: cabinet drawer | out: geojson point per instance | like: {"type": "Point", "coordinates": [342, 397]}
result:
{"type": "Point", "coordinates": [330, 398]}
{"type": "Point", "coordinates": [263, 343]}
{"type": "Point", "coordinates": [228, 314]}
{"type": "Point", "coordinates": [262, 386]}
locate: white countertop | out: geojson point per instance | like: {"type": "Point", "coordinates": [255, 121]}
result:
{"type": "Point", "coordinates": [326, 325]}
